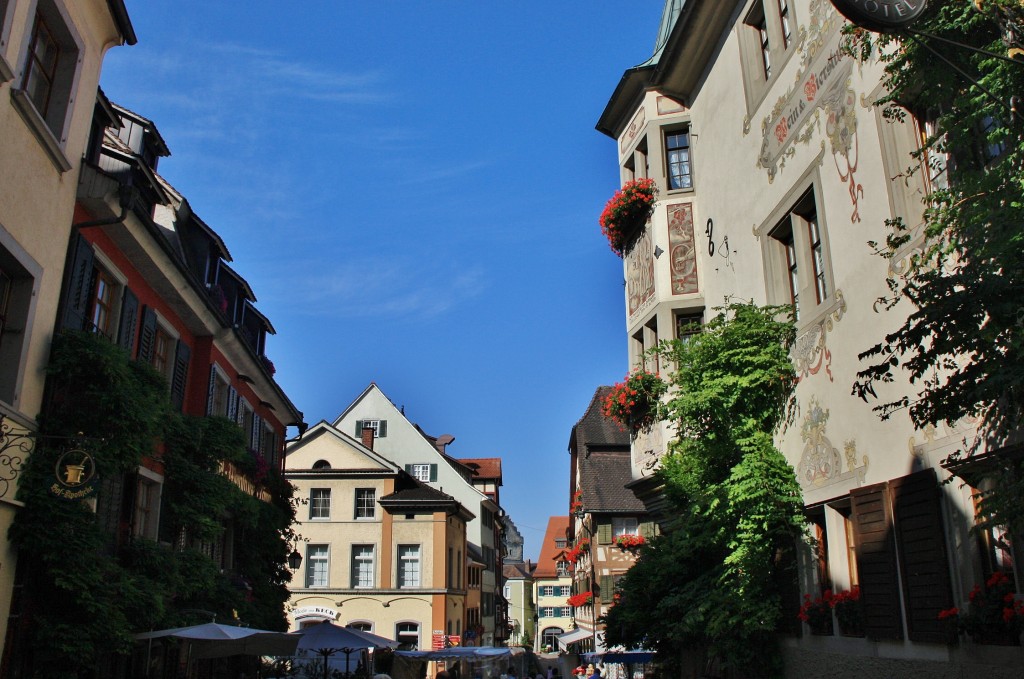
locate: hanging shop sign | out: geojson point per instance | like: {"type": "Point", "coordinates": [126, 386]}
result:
{"type": "Point", "coordinates": [881, 15]}
{"type": "Point", "coordinates": [74, 471]}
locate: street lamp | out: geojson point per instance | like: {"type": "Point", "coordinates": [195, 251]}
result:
{"type": "Point", "coordinates": [294, 560]}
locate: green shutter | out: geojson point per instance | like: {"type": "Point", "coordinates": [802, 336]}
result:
{"type": "Point", "coordinates": [359, 429]}
{"type": "Point", "coordinates": [433, 472]}
{"type": "Point", "coordinates": [647, 529]}
{"type": "Point", "coordinates": [147, 337]}
{"type": "Point", "coordinates": [604, 533]}
{"type": "Point", "coordinates": [382, 429]}
{"type": "Point", "coordinates": [179, 378]}
{"type": "Point", "coordinates": [129, 323]}
{"type": "Point", "coordinates": [408, 469]}
{"type": "Point", "coordinates": [607, 589]}
{"type": "Point", "coordinates": [79, 284]}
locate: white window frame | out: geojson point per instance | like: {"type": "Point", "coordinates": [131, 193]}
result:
{"type": "Point", "coordinates": [317, 505]}
{"type": "Point", "coordinates": [363, 512]}
{"type": "Point", "coordinates": [420, 472]}
{"type": "Point", "coordinates": [149, 488]}
{"type": "Point", "coordinates": [221, 392]}
{"type": "Point", "coordinates": [625, 525]}
{"type": "Point", "coordinates": [410, 567]}
{"type": "Point", "coordinates": [363, 565]}
{"type": "Point", "coordinates": [562, 568]}
{"type": "Point", "coordinates": [318, 565]}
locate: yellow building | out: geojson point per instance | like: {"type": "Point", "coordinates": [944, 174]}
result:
{"type": "Point", "coordinates": [51, 52]}
{"type": "Point", "coordinates": [381, 551]}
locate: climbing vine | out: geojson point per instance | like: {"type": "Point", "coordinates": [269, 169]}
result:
{"type": "Point", "coordinates": [89, 585]}
{"type": "Point", "coordinates": [717, 579]}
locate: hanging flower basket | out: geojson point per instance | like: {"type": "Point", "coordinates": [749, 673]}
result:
{"type": "Point", "coordinates": [626, 213]}
{"type": "Point", "coordinates": [576, 506]}
{"type": "Point", "coordinates": [581, 599]}
{"type": "Point", "coordinates": [633, 403]}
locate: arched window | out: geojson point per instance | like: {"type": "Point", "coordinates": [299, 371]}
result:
{"type": "Point", "coordinates": [549, 638]}
{"type": "Point", "coordinates": [321, 464]}
{"type": "Point", "coordinates": [407, 634]}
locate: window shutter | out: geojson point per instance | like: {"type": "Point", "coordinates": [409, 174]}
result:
{"type": "Point", "coordinates": [210, 391]}
{"type": "Point", "coordinates": [647, 529]}
{"type": "Point", "coordinates": [924, 564]}
{"type": "Point", "coordinates": [876, 561]}
{"type": "Point", "coordinates": [607, 589]}
{"type": "Point", "coordinates": [232, 404]}
{"type": "Point", "coordinates": [359, 429]}
{"type": "Point", "coordinates": [408, 469]}
{"type": "Point", "coordinates": [604, 533]}
{"type": "Point", "coordinates": [433, 472]}
{"type": "Point", "coordinates": [254, 433]}
{"type": "Point", "coordinates": [179, 378]}
{"type": "Point", "coordinates": [147, 335]}
{"type": "Point", "coordinates": [76, 297]}
{"type": "Point", "coordinates": [129, 323]}
{"type": "Point", "coordinates": [382, 429]}
{"type": "Point", "coordinates": [271, 447]}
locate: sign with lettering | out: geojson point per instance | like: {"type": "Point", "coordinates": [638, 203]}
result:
{"type": "Point", "coordinates": [315, 612]}
{"type": "Point", "coordinates": [821, 83]}
{"type": "Point", "coordinates": [881, 15]}
{"type": "Point", "coordinates": [75, 470]}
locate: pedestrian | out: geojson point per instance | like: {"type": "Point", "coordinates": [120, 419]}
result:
{"type": "Point", "coordinates": [593, 672]}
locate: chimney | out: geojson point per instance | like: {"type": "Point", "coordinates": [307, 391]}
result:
{"type": "Point", "coordinates": [367, 433]}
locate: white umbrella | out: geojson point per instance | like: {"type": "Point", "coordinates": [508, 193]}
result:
{"type": "Point", "coordinates": [326, 639]}
{"type": "Point", "coordinates": [214, 640]}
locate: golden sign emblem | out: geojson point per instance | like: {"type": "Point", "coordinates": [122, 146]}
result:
{"type": "Point", "coordinates": [74, 470]}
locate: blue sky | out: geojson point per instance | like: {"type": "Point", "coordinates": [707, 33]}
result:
{"type": "Point", "coordinates": [412, 190]}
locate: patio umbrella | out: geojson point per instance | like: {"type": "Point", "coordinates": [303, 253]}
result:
{"type": "Point", "coordinates": [327, 639]}
{"type": "Point", "coordinates": [214, 640]}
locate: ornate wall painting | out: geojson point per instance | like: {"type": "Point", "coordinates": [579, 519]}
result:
{"type": "Point", "coordinates": [682, 249]}
{"type": "Point", "coordinates": [632, 131]}
{"type": "Point", "coordinates": [822, 84]}
{"type": "Point", "coordinates": [810, 352]}
{"type": "Point", "coordinates": [821, 463]}
{"type": "Point", "coordinates": [640, 273]}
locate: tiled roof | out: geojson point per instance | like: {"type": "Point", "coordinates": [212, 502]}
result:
{"type": "Point", "coordinates": [594, 430]}
{"type": "Point", "coordinates": [483, 467]}
{"type": "Point", "coordinates": [603, 478]}
{"type": "Point", "coordinates": [549, 551]}
{"type": "Point", "coordinates": [517, 570]}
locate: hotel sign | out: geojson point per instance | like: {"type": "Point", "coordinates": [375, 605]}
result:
{"type": "Point", "coordinates": [881, 15]}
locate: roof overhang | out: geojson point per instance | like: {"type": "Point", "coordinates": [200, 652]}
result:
{"type": "Point", "coordinates": [123, 21]}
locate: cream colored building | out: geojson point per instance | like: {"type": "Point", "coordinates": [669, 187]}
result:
{"type": "Point", "coordinates": [51, 52]}
{"type": "Point", "coordinates": [774, 171]}
{"type": "Point", "coordinates": [552, 586]}
{"type": "Point", "coordinates": [381, 551]}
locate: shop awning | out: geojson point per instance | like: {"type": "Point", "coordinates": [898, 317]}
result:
{"type": "Point", "coordinates": [573, 636]}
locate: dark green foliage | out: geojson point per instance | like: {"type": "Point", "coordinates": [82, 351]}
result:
{"type": "Point", "coordinates": [962, 343]}
{"type": "Point", "coordinates": [714, 582]}
{"type": "Point", "coordinates": [87, 597]}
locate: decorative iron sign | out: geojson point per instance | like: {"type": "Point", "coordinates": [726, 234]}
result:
{"type": "Point", "coordinates": [75, 470]}
{"type": "Point", "coordinates": [881, 16]}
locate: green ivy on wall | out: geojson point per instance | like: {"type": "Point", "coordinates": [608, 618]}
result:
{"type": "Point", "coordinates": [86, 592]}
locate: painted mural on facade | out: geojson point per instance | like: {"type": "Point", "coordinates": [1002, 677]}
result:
{"type": "Point", "coordinates": [640, 273]}
{"type": "Point", "coordinates": [682, 249]}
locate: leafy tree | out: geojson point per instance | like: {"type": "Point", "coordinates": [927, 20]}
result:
{"type": "Point", "coordinates": [962, 342]}
{"type": "Point", "coordinates": [716, 579]}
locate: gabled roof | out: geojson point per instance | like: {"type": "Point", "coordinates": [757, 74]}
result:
{"type": "Point", "coordinates": [515, 571]}
{"type": "Point", "coordinates": [603, 480]}
{"type": "Point", "coordinates": [323, 429]}
{"type": "Point", "coordinates": [549, 550]}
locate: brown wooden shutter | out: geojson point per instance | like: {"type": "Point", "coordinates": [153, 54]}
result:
{"type": "Point", "coordinates": [876, 561]}
{"type": "Point", "coordinates": [924, 564]}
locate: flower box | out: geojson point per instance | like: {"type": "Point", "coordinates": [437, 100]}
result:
{"type": "Point", "coordinates": [633, 403]}
{"type": "Point", "coordinates": [994, 615]}
{"type": "Point", "coordinates": [629, 542]}
{"type": "Point", "coordinates": [581, 599]}
{"type": "Point", "coordinates": [626, 213]}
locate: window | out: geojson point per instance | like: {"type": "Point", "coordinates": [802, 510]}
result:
{"type": "Point", "coordinates": [797, 259]}
{"type": "Point", "coordinates": [624, 526]}
{"type": "Point", "coordinates": [321, 464]}
{"type": "Point", "coordinates": [320, 503]}
{"type": "Point", "coordinates": [677, 153]}
{"type": "Point", "coordinates": [18, 280]}
{"type": "Point", "coordinates": [766, 43]}
{"type": "Point", "coordinates": [407, 634]}
{"type": "Point", "coordinates": [379, 427]}
{"type": "Point", "coordinates": [688, 324]}
{"type": "Point", "coordinates": [162, 348]}
{"type": "Point", "coordinates": [366, 503]}
{"type": "Point", "coordinates": [562, 568]}
{"type": "Point", "coordinates": [547, 612]}
{"type": "Point", "coordinates": [316, 566]}
{"type": "Point", "coordinates": [565, 611]}
{"type": "Point", "coordinates": [422, 472]}
{"type": "Point", "coordinates": [564, 590]}
{"type": "Point", "coordinates": [103, 303]}
{"type": "Point", "coordinates": [6, 14]}
{"type": "Point", "coordinates": [560, 543]}
{"type": "Point", "coordinates": [362, 566]}
{"type": "Point", "coordinates": [245, 419]}
{"type": "Point", "coordinates": [49, 70]}
{"type": "Point", "coordinates": [146, 514]}
{"type": "Point", "coordinates": [408, 566]}
{"type": "Point", "coordinates": [222, 398]}
{"type": "Point", "coordinates": [547, 590]}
